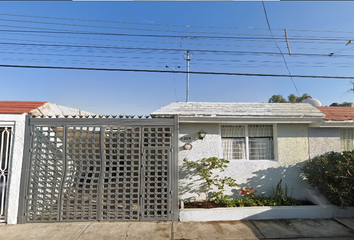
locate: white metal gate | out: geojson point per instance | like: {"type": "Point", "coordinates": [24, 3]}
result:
{"type": "Point", "coordinates": [99, 170]}
{"type": "Point", "coordinates": [5, 150]}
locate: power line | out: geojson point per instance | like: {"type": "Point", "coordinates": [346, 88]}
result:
{"type": "Point", "coordinates": [154, 42]}
{"type": "Point", "coordinates": [169, 49]}
{"type": "Point", "coordinates": [122, 22]}
{"type": "Point", "coordinates": [175, 25]}
{"type": "Point", "coordinates": [294, 37]}
{"type": "Point", "coordinates": [200, 60]}
{"type": "Point", "coordinates": [286, 64]}
{"type": "Point", "coordinates": [248, 39]}
{"type": "Point", "coordinates": [170, 71]}
{"type": "Point", "coordinates": [90, 44]}
{"type": "Point", "coordinates": [135, 29]}
{"type": "Point", "coordinates": [239, 36]}
{"type": "Point", "coordinates": [315, 38]}
{"type": "Point", "coordinates": [23, 32]}
{"type": "Point", "coordinates": [66, 31]}
{"type": "Point", "coordinates": [30, 40]}
{"type": "Point", "coordinates": [136, 41]}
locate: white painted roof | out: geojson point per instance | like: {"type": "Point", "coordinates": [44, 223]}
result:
{"type": "Point", "coordinates": [240, 110]}
{"type": "Point", "coordinates": [51, 109]}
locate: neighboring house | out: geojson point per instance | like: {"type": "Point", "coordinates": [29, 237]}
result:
{"type": "Point", "coordinates": [265, 142]}
{"type": "Point", "coordinates": [335, 133]}
{"type": "Point", "coordinates": [12, 131]}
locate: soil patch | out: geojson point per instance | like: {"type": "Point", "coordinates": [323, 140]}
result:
{"type": "Point", "coordinates": [211, 204]}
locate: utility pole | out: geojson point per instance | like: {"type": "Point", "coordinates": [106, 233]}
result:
{"type": "Point", "coordinates": [187, 57]}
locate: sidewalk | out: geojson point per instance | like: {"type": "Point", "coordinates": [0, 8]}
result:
{"type": "Point", "coordinates": [342, 228]}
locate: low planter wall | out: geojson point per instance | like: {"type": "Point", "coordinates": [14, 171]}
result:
{"type": "Point", "coordinates": [322, 209]}
{"type": "Point", "coordinates": [343, 212]}
{"type": "Point", "coordinates": [337, 212]}
{"type": "Point", "coordinates": [254, 213]}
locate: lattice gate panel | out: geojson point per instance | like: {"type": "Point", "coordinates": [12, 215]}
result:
{"type": "Point", "coordinates": [46, 174]}
{"type": "Point", "coordinates": [157, 136]}
{"type": "Point", "coordinates": [81, 185]}
{"type": "Point", "coordinates": [120, 198]}
{"type": "Point", "coordinates": [156, 202]}
{"type": "Point", "coordinates": [157, 151]}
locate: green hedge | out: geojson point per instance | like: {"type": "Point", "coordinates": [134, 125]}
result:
{"type": "Point", "coordinates": [333, 175]}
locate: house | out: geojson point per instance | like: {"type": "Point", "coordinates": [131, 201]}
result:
{"type": "Point", "coordinates": [265, 142]}
{"type": "Point", "coordinates": [334, 133]}
{"type": "Point", "coordinates": [12, 137]}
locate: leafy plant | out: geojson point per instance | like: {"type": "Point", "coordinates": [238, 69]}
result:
{"type": "Point", "coordinates": [205, 169]}
{"type": "Point", "coordinates": [333, 175]}
{"type": "Point", "coordinates": [281, 195]}
{"type": "Point", "coordinates": [279, 198]}
{"type": "Point", "coordinates": [256, 201]}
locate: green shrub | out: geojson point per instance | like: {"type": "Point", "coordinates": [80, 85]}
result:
{"type": "Point", "coordinates": [256, 201]}
{"type": "Point", "coordinates": [332, 175]}
{"type": "Point", "coordinates": [205, 168]}
{"type": "Point", "coordinates": [249, 199]}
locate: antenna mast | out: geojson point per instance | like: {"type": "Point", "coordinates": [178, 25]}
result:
{"type": "Point", "coordinates": [187, 56]}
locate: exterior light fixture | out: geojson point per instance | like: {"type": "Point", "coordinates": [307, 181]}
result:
{"type": "Point", "coordinates": [201, 134]}
{"type": "Point", "coordinates": [187, 146]}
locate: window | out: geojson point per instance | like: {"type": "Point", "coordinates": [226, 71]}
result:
{"type": "Point", "coordinates": [251, 142]}
{"type": "Point", "coordinates": [347, 139]}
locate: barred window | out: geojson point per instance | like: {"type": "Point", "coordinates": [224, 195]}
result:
{"type": "Point", "coordinates": [250, 142]}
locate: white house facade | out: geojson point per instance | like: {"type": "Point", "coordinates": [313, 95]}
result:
{"type": "Point", "coordinates": [265, 142]}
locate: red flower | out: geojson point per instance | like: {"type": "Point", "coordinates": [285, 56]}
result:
{"type": "Point", "coordinates": [247, 193]}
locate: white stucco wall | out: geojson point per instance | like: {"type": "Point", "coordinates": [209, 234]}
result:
{"type": "Point", "coordinates": [291, 146]}
{"type": "Point", "coordinates": [17, 121]}
{"type": "Point", "coordinates": [324, 140]}
{"type": "Point", "coordinates": [292, 143]}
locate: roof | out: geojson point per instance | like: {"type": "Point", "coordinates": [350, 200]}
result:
{"type": "Point", "coordinates": [337, 113]}
{"type": "Point", "coordinates": [232, 110]}
{"type": "Point", "coordinates": [19, 107]}
{"type": "Point", "coordinates": [38, 109]}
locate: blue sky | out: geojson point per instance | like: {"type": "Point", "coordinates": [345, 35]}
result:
{"type": "Point", "coordinates": [228, 37]}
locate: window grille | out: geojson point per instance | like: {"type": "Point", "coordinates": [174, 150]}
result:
{"type": "Point", "coordinates": [5, 144]}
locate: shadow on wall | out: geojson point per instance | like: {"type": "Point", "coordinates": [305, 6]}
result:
{"type": "Point", "coordinates": [265, 180]}
{"type": "Point", "coordinates": [190, 185]}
